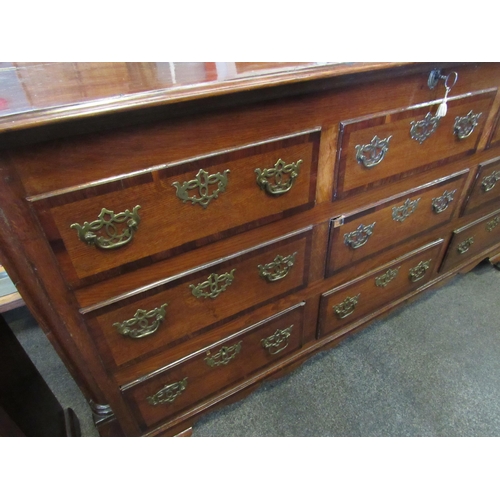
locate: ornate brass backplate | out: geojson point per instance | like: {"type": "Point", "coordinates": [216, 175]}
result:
{"type": "Point", "coordinates": [143, 323]}
{"type": "Point", "coordinates": [418, 272]}
{"type": "Point", "coordinates": [224, 356]}
{"type": "Point", "coordinates": [384, 279]}
{"type": "Point", "coordinates": [441, 203]}
{"type": "Point", "coordinates": [278, 268]}
{"type": "Point", "coordinates": [359, 237]}
{"type": "Point", "coordinates": [282, 174]}
{"type": "Point", "coordinates": [422, 129]}
{"type": "Point", "coordinates": [370, 155]}
{"type": "Point", "coordinates": [465, 125]}
{"type": "Point", "coordinates": [278, 341]}
{"type": "Point", "coordinates": [213, 286]}
{"type": "Point", "coordinates": [168, 394]}
{"type": "Point", "coordinates": [346, 307]}
{"type": "Point", "coordinates": [400, 214]}
{"type": "Point", "coordinates": [107, 221]}
{"type": "Point", "coordinates": [489, 181]}
{"type": "Point", "coordinates": [201, 183]}
{"type": "Point", "coordinates": [492, 224]}
{"type": "Point", "coordinates": [465, 245]}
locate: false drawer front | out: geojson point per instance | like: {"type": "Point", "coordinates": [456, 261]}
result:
{"type": "Point", "coordinates": [352, 301]}
{"type": "Point", "coordinates": [178, 308]}
{"type": "Point", "coordinates": [471, 240]}
{"type": "Point", "coordinates": [203, 374]}
{"type": "Point", "coordinates": [357, 236]}
{"type": "Point", "coordinates": [172, 208]}
{"type": "Point", "coordinates": [380, 148]}
{"type": "Point", "coordinates": [486, 187]}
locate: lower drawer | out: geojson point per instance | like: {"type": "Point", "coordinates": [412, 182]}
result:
{"type": "Point", "coordinates": [352, 301]}
{"type": "Point", "coordinates": [471, 240]}
{"type": "Point", "coordinates": [203, 374]}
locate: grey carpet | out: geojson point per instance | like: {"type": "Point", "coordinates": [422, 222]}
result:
{"type": "Point", "coordinates": [429, 369]}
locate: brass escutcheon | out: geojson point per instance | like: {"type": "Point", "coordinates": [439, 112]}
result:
{"type": "Point", "coordinates": [465, 245]}
{"type": "Point", "coordinates": [370, 155]}
{"type": "Point", "coordinates": [168, 394]}
{"type": "Point", "coordinates": [418, 272]}
{"type": "Point", "coordinates": [140, 326]}
{"type": "Point", "coordinates": [284, 176]}
{"type": "Point", "coordinates": [224, 356]}
{"type": "Point", "coordinates": [423, 129]}
{"type": "Point", "coordinates": [201, 183]}
{"type": "Point", "coordinates": [492, 224]}
{"type": "Point", "coordinates": [346, 307]}
{"type": "Point", "coordinates": [465, 125]}
{"type": "Point", "coordinates": [400, 214]}
{"type": "Point", "coordinates": [278, 268]}
{"type": "Point", "coordinates": [384, 279]}
{"type": "Point", "coordinates": [213, 286]}
{"type": "Point", "coordinates": [489, 181]}
{"type": "Point", "coordinates": [106, 221]}
{"type": "Point", "coordinates": [278, 341]}
{"type": "Point", "coordinates": [359, 237]}
{"type": "Point", "coordinates": [441, 203]}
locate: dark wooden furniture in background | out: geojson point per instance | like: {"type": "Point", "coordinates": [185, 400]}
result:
{"type": "Point", "coordinates": [183, 232]}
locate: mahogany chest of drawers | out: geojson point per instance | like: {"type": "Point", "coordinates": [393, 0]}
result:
{"type": "Point", "coordinates": [181, 244]}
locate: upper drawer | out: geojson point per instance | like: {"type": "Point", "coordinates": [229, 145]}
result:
{"type": "Point", "coordinates": [357, 236]}
{"type": "Point", "coordinates": [486, 186]}
{"type": "Point", "coordinates": [175, 207]}
{"type": "Point", "coordinates": [176, 309]}
{"type": "Point", "coordinates": [379, 148]}
{"type": "Point", "coordinates": [471, 240]}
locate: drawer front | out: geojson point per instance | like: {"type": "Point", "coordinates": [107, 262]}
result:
{"type": "Point", "coordinates": [354, 300]}
{"type": "Point", "coordinates": [380, 148]}
{"type": "Point", "coordinates": [188, 305]}
{"type": "Point", "coordinates": [357, 236]}
{"type": "Point", "coordinates": [215, 368]}
{"type": "Point", "coordinates": [486, 187]}
{"type": "Point", "coordinates": [494, 139]}
{"type": "Point", "coordinates": [471, 240]}
{"type": "Point", "coordinates": [174, 208]}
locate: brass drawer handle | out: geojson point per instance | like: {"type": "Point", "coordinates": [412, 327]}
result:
{"type": "Point", "coordinates": [423, 129]}
{"type": "Point", "coordinates": [418, 272]}
{"type": "Point", "coordinates": [465, 245]}
{"type": "Point", "coordinates": [224, 356]}
{"type": "Point", "coordinates": [284, 176]}
{"type": "Point", "coordinates": [490, 181]}
{"type": "Point", "coordinates": [201, 183]}
{"type": "Point", "coordinates": [346, 307]}
{"type": "Point", "coordinates": [168, 394]}
{"type": "Point", "coordinates": [370, 155]}
{"type": "Point", "coordinates": [384, 279]}
{"type": "Point", "coordinates": [143, 323]}
{"type": "Point", "coordinates": [359, 237]}
{"type": "Point", "coordinates": [400, 214]}
{"type": "Point", "coordinates": [492, 224]}
{"type": "Point", "coordinates": [107, 220]}
{"type": "Point", "coordinates": [465, 125]}
{"type": "Point", "coordinates": [278, 268]}
{"type": "Point", "coordinates": [213, 286]}
{"type": "Point", "coordinates": [278, 341]}
{"type": "Point", "coordinates": [441, 203]}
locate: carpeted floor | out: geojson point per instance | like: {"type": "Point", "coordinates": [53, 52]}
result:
{"type": "Point", "coordinates": [429, 369]}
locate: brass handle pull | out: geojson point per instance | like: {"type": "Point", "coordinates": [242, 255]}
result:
{"type": "Point", "coordinates": [492, 224]}
{"type": "Point", "coordinates": [224, 356]}
{"type": "Point", "coordinates": [465, 125]}
{"type": "Point", "coordinates": [384, 279]}
{"type": "Point", "coordinates": [213, 286]}
{"type": "Point", "coordinates": [278, 341]}
{"type": "Point", "coordinates": [168, 394]}
{"type": "Point", "coordinates": [106, 221]}
{"type": "Point", "coordinates": [143, 323]}
{"type": "Point", "coordinates": [370, 155]}
{"type": "Point", "coordinates": [346, 307]}
{"type": "Point", "coordinates": [490, 181]}
{"type": "Point", "coordinates": [418, 272]}
{"type": "Point", "coordinates": [422, 129]}
{"type": "Point", "coordinates": [284, 176]}
{"type": "Point", "coordinates": [400, 214]}
{"type": "Point", "coordinates": [278, 268]}
{"type": "Point", "coordinates": [359, 237]}
{"type": "Point", "coordinates": [441, 203]}
{"type": "Point", "coordinates": [202, 181]}
{"type": "Point", "coordinates": [465, 245]}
